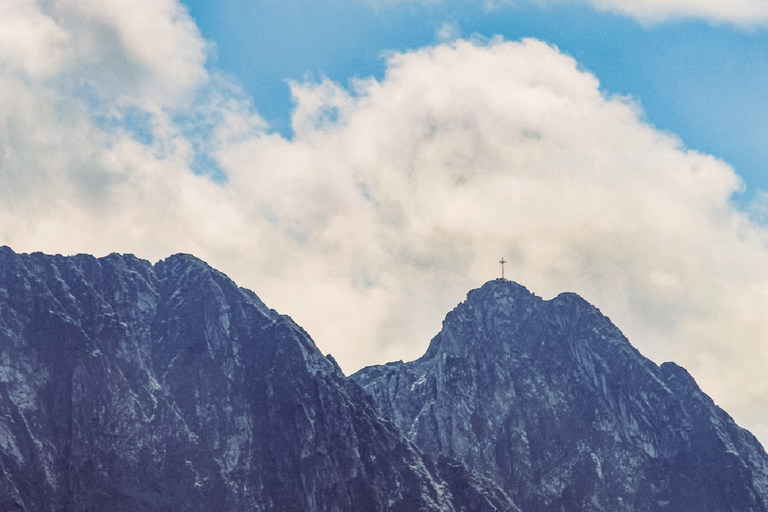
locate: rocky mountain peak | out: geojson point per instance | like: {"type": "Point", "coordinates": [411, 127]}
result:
{"type": "Point", "coordinates": [551, 401]}
{"type": "Point", "coordinates": [496, 299]}
{"type": "Point", "coordinates": [497, 291]}
{"type": "Point", "coordinates": [497, 303]}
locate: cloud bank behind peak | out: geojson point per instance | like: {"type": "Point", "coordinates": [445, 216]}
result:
{"type": "Point", "coordinates": [393, 197]}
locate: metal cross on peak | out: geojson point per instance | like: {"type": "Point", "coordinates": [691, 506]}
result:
{"type": "Point", "coordinates": [503, 262]}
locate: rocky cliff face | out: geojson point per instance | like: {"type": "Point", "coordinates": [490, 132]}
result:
{"type": "Point", "coordinates": [549, 400]}
{"type": "Point", "coordinates": [131, 387]}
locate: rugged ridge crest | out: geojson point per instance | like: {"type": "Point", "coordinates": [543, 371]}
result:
{"type": "Point", "coordinates": [127, 386]}
{"type": "Point", "coordinates": [549, 400]}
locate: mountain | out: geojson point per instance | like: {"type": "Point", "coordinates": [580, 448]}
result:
{"type": "Point", "coordinates": [549, 400]}
{"type": "Point", "coordinates": [127, 386]}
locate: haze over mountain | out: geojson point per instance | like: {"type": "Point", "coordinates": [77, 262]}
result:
{"type": "Point", "coordinates": [551, 401]}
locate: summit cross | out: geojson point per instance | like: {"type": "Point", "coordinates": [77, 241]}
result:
{"type": "Point", "coordinates": [503, 262]}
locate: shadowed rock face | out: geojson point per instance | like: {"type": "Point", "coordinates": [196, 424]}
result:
{"type": "Point", "coordinates": [549, 400]}
{"type": "Point", "coordinates": [131, 387]}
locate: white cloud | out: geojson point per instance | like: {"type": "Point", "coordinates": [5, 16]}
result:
{"type": "Point", "coordinates": [29, 40]}
{"type": "Point", "coordinates": [92, 157]}
{"type": "Point", "coordinates": [392, 200]}
{"type": "Point", "coordinates": [746, 13]}
{"type": "Point", "coordinates": [136, 51]}
{"type": "Point", "coordinates": [119, 49]}
{"type": "Point", "coordinates": [464, 153]}
{"type": "Point", "coordinates": [448, 32]}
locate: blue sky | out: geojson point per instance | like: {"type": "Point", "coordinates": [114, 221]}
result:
{"type": "Point", "coordinates": [703, 81]}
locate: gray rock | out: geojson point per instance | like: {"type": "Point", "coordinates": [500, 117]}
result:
{"type": "Point", "coordinates": [549, 400]}
{"type": "Point", "coordinates": [131, 387]}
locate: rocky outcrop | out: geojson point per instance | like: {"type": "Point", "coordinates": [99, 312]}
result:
{"type": "Point", "coordinates": [126, 386]}
{"type": "Point", "coordinates": [549, 400]}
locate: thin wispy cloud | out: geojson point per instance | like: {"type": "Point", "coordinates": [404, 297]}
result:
{"type": "Point", "coordinates": [741, 13]}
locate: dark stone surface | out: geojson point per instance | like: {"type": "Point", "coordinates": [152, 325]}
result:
{"type": "Point", "coordinates": [131, 387]}
{"type": "Point", "coordinates": [549, 400]}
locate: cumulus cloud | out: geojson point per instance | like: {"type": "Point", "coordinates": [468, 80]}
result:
{"type": "Point", "coordinates": [393, 198]}
{"type": "Point", "coordinates": [401, 194]}
{"type": "Point", "coordinates": [75, 78]}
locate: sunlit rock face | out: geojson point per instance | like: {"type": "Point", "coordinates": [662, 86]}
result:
{"type": "Point", "coordinates": [549, 400]}
{"type": "Point", "coordinates": [126, 386]}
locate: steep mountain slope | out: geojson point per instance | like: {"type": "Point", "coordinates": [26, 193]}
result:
{"type": "Point", "coordinates": [550, 400]}
{"type": "Point", "coordinates": [131, 387]}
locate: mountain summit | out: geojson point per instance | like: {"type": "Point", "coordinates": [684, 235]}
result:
{"type": "Point", "coordinates": [549, 399]}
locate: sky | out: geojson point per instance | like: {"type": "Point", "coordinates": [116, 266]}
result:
{"type": "Point", "coordinates": [362, 164]}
